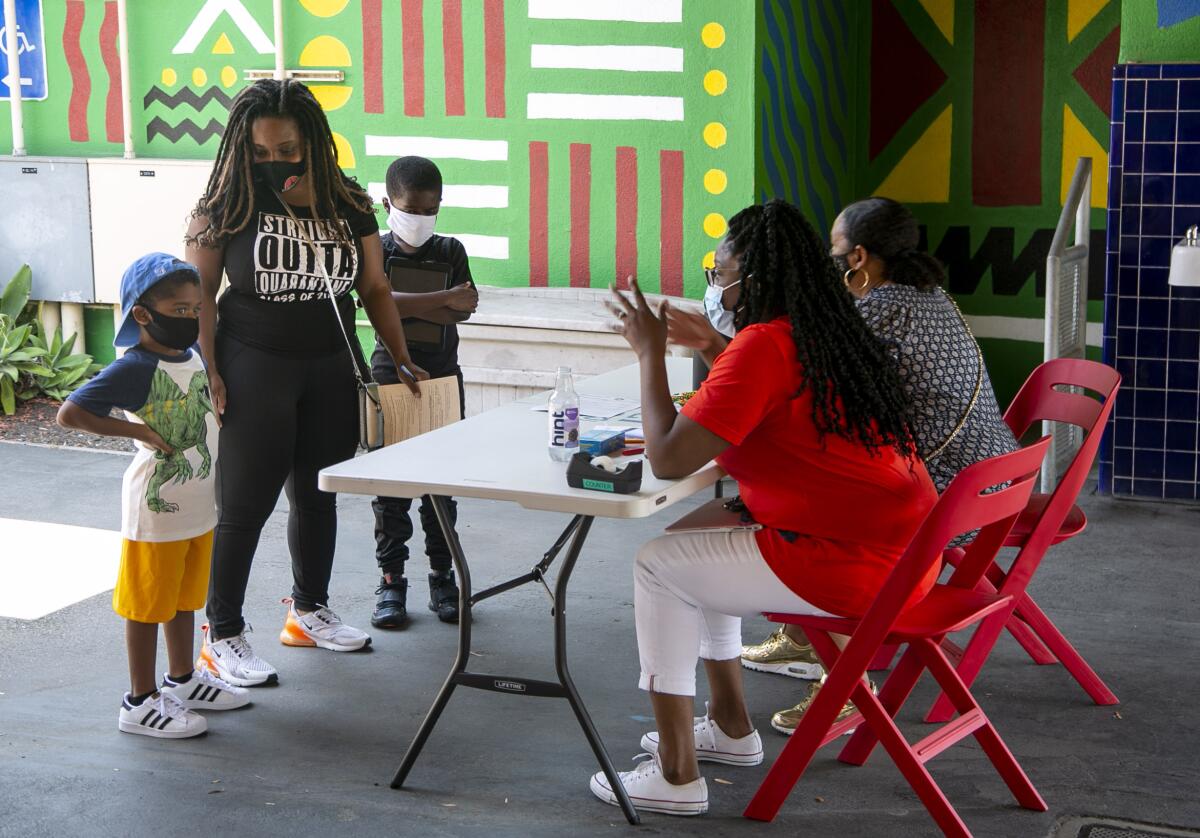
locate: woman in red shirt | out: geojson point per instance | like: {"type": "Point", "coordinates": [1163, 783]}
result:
{"type": "Point", "coordinates": [806, 412]}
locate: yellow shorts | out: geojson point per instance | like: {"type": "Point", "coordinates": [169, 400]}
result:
{"type": "Point", "coordinates": [159, 578]}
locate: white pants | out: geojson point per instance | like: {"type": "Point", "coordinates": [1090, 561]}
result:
{"type": "Point", "coordinates": [690, 592]}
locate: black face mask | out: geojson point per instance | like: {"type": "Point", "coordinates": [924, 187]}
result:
{"type": "Point", "coordinates": [280, 175]}
{"type": "Point", "coordinates": [174, 332]}
{"type": "Point", "coordinates": [842, 263]}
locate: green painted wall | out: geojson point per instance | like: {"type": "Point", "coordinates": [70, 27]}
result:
{"type": "Point", "coordinates": [1143, 41]}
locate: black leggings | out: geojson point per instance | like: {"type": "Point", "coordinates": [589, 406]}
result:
{"type": "Point", "coordinates": [285, 420]}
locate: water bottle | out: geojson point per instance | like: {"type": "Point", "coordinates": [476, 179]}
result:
{"type": "Point", "coordinates": [564, 418]}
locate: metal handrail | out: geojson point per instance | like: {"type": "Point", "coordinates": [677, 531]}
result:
{"type": "Point", "coordinates": [1076, 211]}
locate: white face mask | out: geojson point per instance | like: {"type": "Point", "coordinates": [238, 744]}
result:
{"type": "Point", "coordinates": [413, 230]}
{"type": "Point", "coordinates": [718, 316]}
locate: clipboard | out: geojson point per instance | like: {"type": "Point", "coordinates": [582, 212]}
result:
{"type": "Point", "coordinates": [714, 516]}
{"type": "Point", "coordinates": [411, 277]}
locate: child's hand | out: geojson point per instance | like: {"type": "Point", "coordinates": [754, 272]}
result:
{"type": "Point", "coordinates": [151, 437]}
{"type": "Point", "coordinates": [463, 297]}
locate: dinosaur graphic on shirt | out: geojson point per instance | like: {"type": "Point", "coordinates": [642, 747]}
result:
{"type": "Point", "coordinates": [181, 420]}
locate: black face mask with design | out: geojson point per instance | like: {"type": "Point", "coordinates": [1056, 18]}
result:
{"type": "Point", "coordinates": [280, 175]}
{"type": "Point", "coordinates": [174, 332]}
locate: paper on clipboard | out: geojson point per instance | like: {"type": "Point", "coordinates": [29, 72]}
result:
{"type": "Point", "coordinates": [406, 416]}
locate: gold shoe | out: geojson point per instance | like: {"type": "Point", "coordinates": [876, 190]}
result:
{"type": "Point", "coordinates": [779, 654]}
{"type": "Point", "coordinates": [786, 721]}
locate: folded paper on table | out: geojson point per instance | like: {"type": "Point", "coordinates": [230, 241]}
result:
{"type": "Point", "coordinates": [406, 416]}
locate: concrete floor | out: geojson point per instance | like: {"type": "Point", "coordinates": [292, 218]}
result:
{"type": "Point", "coordinates": [314, 755]}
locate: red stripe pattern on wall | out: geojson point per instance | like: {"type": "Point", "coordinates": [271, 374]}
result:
{"type": "Point", "coordinates": [412, 44]}
{"type": "Point", "coordinates": [539, 218]}
{"type": "Point", "coordinates": [1009, 68]}
{"type": "Point", "coordinates": [452, 47]}
{"type": "Point", "coordinates": [670, 164]}
{"type": "Point", "coordinates": [372, 57]}
{"type": "Point", "coordinates": [112, 64]}
{"type": "Point", "coordinates": [581, 209]}
{"type": "Point", "coordinates": [81, 81]}
{"type": "Point", "coordinates": [627, 206]}
{"type": "Point", "coordinates": [493, 57]}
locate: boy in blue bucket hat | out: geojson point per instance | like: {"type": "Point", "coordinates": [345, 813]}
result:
{"type": "Point", "coordinates": [168, 509]}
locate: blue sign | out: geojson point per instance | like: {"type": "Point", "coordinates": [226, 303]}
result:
{"type": "Point", "coordinates": [31, 52]}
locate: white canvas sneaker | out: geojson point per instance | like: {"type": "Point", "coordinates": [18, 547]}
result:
{"type": "Point", "coordinates": [321, 628]}
{"type": "Point", "coordinates": [162, 716]}
{"type": "Point", "coordinates": [649, 790]}
{"type": "Point", "coordinates": [231, 659]}
{"type": "Point", "coordinates": [205, 691]}
{"type": "Point", "coordinates": [713, 745]}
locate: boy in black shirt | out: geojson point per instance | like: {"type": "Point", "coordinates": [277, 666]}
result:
{"type": "Point", "coordinates": [414, 196]}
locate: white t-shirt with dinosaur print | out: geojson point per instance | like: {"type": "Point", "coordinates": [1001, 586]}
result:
{"type": "Point", "coordinates": [164, 498]}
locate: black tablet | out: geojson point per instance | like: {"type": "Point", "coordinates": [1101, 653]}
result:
{"type": "Point", "coordinates": [411, 277]}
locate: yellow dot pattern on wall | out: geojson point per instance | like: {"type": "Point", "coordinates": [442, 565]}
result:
{"type": "Point", "coordinates": [712, 35]}
{"type": "Point", "coordinates": [228, 76]}
{"type": "Point", "coordinates": [714, 225]}
{"type": "Point", "coordinates": [199, 77]}
{"type": "Point", "coordinates": [715, 82]}
{"type": "Point", "coordinates": [715, 134]}
{"type": "Point", "coordinates": [169, 77]}
{"type": "Point", "coordinates": [715, 181]}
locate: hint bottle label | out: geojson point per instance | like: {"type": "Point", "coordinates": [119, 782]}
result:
{"type": "Point", "coordinates": [565, 428]}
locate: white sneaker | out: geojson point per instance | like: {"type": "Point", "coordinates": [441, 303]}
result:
{"type": "Point", "coordinates": [162, 716]}
{"type": "Point", "coordinates": [231, 659]}
{"type": "Point", "coordinates": [321, 628]}
{"type": "Point", "coordinates": [649, 790]}
{"type": "Point", "coordinates": [713, 745]}
{"type": "Point", "coordinates": [205, 691]}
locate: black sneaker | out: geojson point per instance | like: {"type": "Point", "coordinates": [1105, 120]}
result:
{"type": "Point", "coordinates": [390, 609]}
{"type": "Point", "coordinates": [443, 596]}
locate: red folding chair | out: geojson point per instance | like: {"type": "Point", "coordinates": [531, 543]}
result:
{"type": "Point", "coordinates": [965, 505]}
{"type": "Point", "coordinates": [1048, 519]}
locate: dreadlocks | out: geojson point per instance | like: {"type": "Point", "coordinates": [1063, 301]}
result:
{"type": "Point", "coordinates": [856, 390]}
{"type": "Point", "coordinates": [228, 200]}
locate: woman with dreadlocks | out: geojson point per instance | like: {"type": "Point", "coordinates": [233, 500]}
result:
{"type": "Point", "coordinates": [956, 419]}
{"type": "Point", "coordinates": [804, 409]}
{"type": "Point", "coordinates": [294, 236]}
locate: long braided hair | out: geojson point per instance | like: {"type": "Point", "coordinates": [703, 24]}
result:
{"type": "Point", "coordinates": [228, 200]}
{"type": "Point", "coordinates": [856, 390]}
{"type": "Point", "coordinates": [890, 233]}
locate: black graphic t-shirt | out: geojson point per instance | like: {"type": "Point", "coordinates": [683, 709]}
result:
{"type": "Point", "coordinates": [449, 251]}
{"type": "Point", "coordinates": [277, 300]}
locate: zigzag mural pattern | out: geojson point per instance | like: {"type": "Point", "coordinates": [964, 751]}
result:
{"type": "Point", "coordinates": [159, 127]}
{"type": "Point", "coordinates": [802, 107]}
{"type": "Point", "coordinates": [187, 96]}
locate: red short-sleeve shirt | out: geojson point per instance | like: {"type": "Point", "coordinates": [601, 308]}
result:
{"type": "Point", "coordinates": [854, 510]}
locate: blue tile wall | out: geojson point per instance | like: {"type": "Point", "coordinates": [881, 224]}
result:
{"type": "Point", "coordinates": [1152, 329]}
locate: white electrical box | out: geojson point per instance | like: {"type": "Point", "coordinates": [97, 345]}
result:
{"type": "Point", "coordinates": [139, 206]}
{"type": "Point", "coordinates": [45, 225]}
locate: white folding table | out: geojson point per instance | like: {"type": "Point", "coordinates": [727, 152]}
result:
{"type": "Point", "coordinates": [502, 455]}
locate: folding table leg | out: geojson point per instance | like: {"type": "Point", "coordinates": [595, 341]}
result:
{"type": "Point", "coordinates": [564, 674]}
{"type": "Point", "coordinates": [464, 642]}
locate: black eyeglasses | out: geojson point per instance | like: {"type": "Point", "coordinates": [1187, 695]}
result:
{"type": "Point", "coordinates": [711, 276]}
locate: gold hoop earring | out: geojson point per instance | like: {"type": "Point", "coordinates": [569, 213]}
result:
{"type": "Point", "coordinates": [866, 279]}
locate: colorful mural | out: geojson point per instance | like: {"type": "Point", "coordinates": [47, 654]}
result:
{"type": "Point", "coordinates": [580, 141]}
{"type": "Point", "coordinates": [1154, 31]}
{"type": "Point", "coordinates": [973, 112]}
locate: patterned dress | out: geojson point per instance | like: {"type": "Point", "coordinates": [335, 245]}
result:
{"type": "Point", "coordinates": [939, 366]}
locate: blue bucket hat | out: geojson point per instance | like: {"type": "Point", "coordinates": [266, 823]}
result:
{"type": "Point", "coordinates": [139, 278]}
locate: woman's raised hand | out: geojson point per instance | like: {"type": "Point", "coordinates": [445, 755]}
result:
{"type": "Point", "coordinates": [644, 329]}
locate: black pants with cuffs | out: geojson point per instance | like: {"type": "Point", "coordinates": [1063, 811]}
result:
{"type": "Point", "coordinates": [393, 521]}
{"type": "Point", "coordinates": [285, 419]}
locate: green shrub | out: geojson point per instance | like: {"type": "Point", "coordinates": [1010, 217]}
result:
{"type": "Point", "coordinates": [31, 365]}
